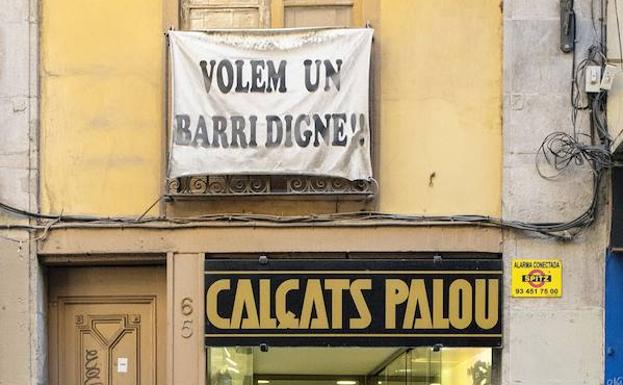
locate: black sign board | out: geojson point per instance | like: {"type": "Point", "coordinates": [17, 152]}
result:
{"type": "Point", "coordinates": [396, 302]}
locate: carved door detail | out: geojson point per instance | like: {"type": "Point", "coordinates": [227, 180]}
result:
{"type": "Point", "coordinates": [108, 348]}
{"type": "Point", "coordinates": [106, 339]}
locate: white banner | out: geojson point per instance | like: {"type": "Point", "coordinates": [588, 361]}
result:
{"type": "Point", "coordinates": [271, 102]}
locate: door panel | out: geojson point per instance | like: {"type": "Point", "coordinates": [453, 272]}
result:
{"type": "Point", "coordinates": [201, 19]}
{"type": "Point", "coordinates": [216, 14]}
{"type": "Point", "coordinates": [324, 16]}
{"type": "Point", "coordinates": [318, 13]}
{"type": "Point", "coordinates": [107, 326]}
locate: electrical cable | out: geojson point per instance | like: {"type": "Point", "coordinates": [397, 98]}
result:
{"type": "Point", "coordinates": [560, 151]}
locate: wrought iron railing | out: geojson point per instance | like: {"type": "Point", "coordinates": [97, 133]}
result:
{"type": "Point", "coordinates": [268, 185]}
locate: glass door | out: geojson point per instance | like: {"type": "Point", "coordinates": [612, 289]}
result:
{"type": "Point", "coordinates": [348, 366]}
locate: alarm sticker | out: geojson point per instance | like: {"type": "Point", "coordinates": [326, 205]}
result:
{"type": "Point", "coordinates": [537, 278]}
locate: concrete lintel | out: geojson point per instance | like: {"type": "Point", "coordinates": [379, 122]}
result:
{"type": "Point", "coordinates": [75, 241]}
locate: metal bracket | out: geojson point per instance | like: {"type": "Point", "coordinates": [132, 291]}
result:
{"type": "Point", "coordinates": [567, 26]}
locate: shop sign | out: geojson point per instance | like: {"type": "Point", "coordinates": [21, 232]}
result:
{"type": "Point", "coordinates": [353, 302]}
{"type": "Point", "coordinates": [537, 278]}
{"type": "Point", "coordinates": [270, 102]}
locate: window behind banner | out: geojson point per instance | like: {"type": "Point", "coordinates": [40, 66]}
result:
{"type": "Point", "coordinates": [224, 14]}
{"type": "Point", "coordinates": [251, 14]}
{"type": "Point", "coordinates": [217, 14]}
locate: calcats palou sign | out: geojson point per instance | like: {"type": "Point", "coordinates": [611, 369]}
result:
{"type": "Point", "coordinates": [270, 102]}
{"type": "Point", "coordinates": [353, 302]}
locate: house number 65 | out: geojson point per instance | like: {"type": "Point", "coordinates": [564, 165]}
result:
{"type": "Point", "coordinates": [187, 324]}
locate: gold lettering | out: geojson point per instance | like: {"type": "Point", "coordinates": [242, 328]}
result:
{"type": "Point", "coordinates": [438, 321]}
{"type": "Point", "coordinates": [360, 303]}
{"type": "Point", "coordinates": [287, 319]}
{"type": "Point", "coordinates": [244, 300]}
{"type": "Point", "coordinates": [396, 292]}
{"type": "Point", "coordinates": [212, 304]}
{"type": "Point", "coordinates": [336, 286]}
{"type": "Point", "coordinates": [314, 300]}
{"type": "Point", "coordinates": [266, 322]}
{"type": "Point", "coordinates": [491, 319]}
{"type": "Point", "coordinates": [417, 297]}
{"type": "Point", "coordinates": [460, 312]}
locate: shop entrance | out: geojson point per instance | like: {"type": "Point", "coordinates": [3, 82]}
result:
{"type": "Point", "coordinates": [107, 325]}
{"type": "Point", "coordinates": [352, 322]}
{"type": "Point", "coordinates": [349, 366]}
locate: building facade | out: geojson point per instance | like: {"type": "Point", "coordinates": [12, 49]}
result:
{"type": "Point", "coordinates": [106, 260]}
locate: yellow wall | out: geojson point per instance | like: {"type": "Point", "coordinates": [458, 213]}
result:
{"type": "Point", "coordinates": [440, 109]}
{"type": "Point", "coordinates": [438, 95]}
{"type": "Point", "coordinates": [101, 109]}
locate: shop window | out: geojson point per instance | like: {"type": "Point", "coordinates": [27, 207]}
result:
{"type": "Point", "coordinates": [466, 366]}
{"type": "Point", "coordinates": [245, 14]}
{"type": "Point", "coordinates": [230, 366]}
{"type": "Point", "coordinates": [349, 366]}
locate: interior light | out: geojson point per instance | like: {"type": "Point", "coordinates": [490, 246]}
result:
{"type": "Point", "coordinates": [380, 382]}
{"type": "Point", "coordinates": [231, 361]}
{"type": "Point", "coordinates": [421, 360]}
{"type": "Point", "coordinates": [346, 382]}
{"type": "Point", "coordinates": [434, 383]}
{"type": "Point", "coordinates": [263, 382]}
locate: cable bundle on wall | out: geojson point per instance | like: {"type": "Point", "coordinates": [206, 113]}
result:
{"type": "Point", "coordinates": [561, 150]}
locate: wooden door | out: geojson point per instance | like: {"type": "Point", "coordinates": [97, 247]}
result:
{"type": "Point", "coordinates": [107, 326]}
